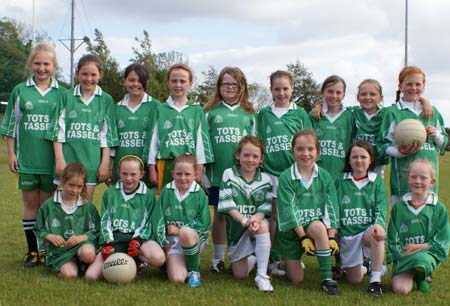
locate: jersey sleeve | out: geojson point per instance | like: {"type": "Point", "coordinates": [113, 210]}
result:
{"type": "Point", "coordinates": [9, 123]}
{"type": "Point", "coordinates": [204, 151]}
{"type": "Point", "coordinates": [226, 201]}
{"type": "Point", "coordinates": [394, 244]}
{"type": "Point", "coordinates": [380, 203]}
{"type": "Point", "coordinates": [93, 226]}
{"type": "Point", "coordinates": [202, 223]}
{"type": "Point", "coordinates": [57, 129]}
{"type": "Point", "coordinates": [441, 128]}
{"type": "Point", "coordinates": [157, 224]}
{"type": "Point", "coordinates": [41, 229]}
{"type": "Point", "coordinates": [265, 206]}
{"type": "Point", "coordinates": [331, 215]}
{"type": "Point", "coordinates": [106, 232]}
{"type": "Point", "coordinates": [440, 239]}
{"type": "Point", "coordinates": [286, 206]}
{"type": "Point", "coordinates": [386, 133]}
{"type": "Point", "coordinates": [151, 146]}
{"type": "Point", "coordinates": [144, 229]}
{"type": "Point", "coordinates": [108, 135]}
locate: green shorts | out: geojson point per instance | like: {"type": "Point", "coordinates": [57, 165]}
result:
{"type": "Point", "coordinates": [288, 244]}
{"type": "Point", "coordinates": [36, 181]}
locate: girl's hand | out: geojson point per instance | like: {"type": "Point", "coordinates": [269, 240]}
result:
{"type": "Point", "coordinates": [427, 108]}
{"type": "Point", "coordinates": [431, 131]}
{"type": "Point", "coordinates": [153, 175]}
{"type": "Point", "coordinates": [254, 226]}
{"type": "Point", "coordinates": [60, 166]}
{"type": "Point", "coordinates": [13, 165]}
{"type": "Point", "coordinates": [413, 248]}
{"type": "Point", "coordinates": [102, 173]}
{"type": "Point", "coordinates": [56, 240]}
{"type": "Point", "coordinates": [408, 150]}
{"type": "Point", "coordinates": [199, 174]}
{"type": "Point", "coordinates": [173, 229]}
{"type": "Point", "coordinates": [377, 232]}
{"type": "Point", "coordinates": [316, 111]}
{"type": "Point", "coordinates": [74, 240]}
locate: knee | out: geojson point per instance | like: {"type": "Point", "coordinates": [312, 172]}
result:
{"type": "Point", "coordinates": [239, 275]}
{"type": "Point", "coordinates": [296, 280]}
{"type": "Point", "coordinates": [68, 274]}
{"type": "Point", "coordinates": [91, 276]}
{"type": "Point", "coordinates": [401, 288]}
{"type": "Point", "coordinates": [187, 236]}
{"type": "Point", "coordinates": [157, 259]}
{"type": "Point", "coordinates": [88, 257]}
{"type": "Point", "coordinates": [177, 277]}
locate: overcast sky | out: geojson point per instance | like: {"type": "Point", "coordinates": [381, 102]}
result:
{"type": "Point", "coordinates": [354, 39]}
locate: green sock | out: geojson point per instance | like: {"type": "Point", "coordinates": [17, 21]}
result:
{"type": "Point", "coordinates": [324, 259]}
{"type": "Point", "coordinates": [191, 256]}
{"type": "Point", "coordinates": [422, 284]}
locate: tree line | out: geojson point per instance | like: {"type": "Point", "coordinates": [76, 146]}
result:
{"type": "Point", "coordinates": [15, 39]}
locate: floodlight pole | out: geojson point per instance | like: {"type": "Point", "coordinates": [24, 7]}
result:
{"type": "Point", "coordinates": [406, 33]}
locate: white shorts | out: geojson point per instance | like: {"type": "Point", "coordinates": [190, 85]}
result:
{"type": "Point", "coordinates": [243, 248]}
{"type": "Point", "coordinates": [353, 249]}
{"type": "Point", "coordinates": [176, 246]}
{"type": "Point", "coordinates": [274, 179]}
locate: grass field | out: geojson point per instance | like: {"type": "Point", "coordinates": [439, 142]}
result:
{"type": "Point", "coordinates": [39, 286]}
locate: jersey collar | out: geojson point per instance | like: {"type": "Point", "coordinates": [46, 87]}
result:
{"type": "Point", "coordinates": [194, 187]}
{"type": "Point", "coordinates": [292, 106]}
{"type": "Point", "coordinates": [57, 198]}
{"type": "Point", "coordinates": [371, 176]}
{"type": "Point", "coordinates": [77, 91]}
{"type": "Point", "coordinates": [431, 200]}
{"type": "Point", "coordinates": [141, 190]}
{"type": "Point", "coordinates": [295, 175]}
{"type": "Point", "coordinates": [31, 82]}
{"type": "Point", "coordinates": [231, 107]}
{"type": "Point", "coordinates": [189, 102]}
{"type": "Point", "coordinates": [237, 173]}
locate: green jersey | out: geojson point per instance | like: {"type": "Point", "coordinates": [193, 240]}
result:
{"type": "Point", "coordinates": [335, 135]}
{"type": "Point", "coordinates": [426, 224]}
{"type": "Point", "coordinates": [54, 218]}
{"type": "Point", "coordinates": [361, 204]}
{"type": "Point", "coordinates": [248, 198]}
{"type": "Point", "coordinates": [84, 128]}
{"type": "Point", "coordinates": [27, 119]}
{"type": "Point", "coordinates": [367, 127]}
{"type": "Point", "coordinates": [227, 125]}
{"type": "Point", "coordinates": [136, 214]}
{"type": "Point", "coordinates": [177, 131]}
{"type": "Point", "coordinates": [429, 150]}
{"type": "Point", "coordinates": [132, 126]}
{"type": "Point", "coordinates": [276, 132]}
{"type": "Point", "coordinates": [302, 202]}
{"type": "Point", "coordinates": [190, 209]}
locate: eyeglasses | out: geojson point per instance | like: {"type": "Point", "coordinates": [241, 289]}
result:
{"type": "Point", "coordinates": [232, 85]}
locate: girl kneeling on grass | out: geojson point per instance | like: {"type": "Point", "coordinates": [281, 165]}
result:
{"type": "Point", "coordinates": [131, 221]}
{"type": "Point", "coordinates": [418, 232]}
{"type": "Point", "coordinates": [246, 197]}
{"type": "Point", "coordinates": [308, 214]}
{"type": "Point", "coordinates": [187, 220]}
{"type": "Point", "coordinates": [69, 224]}
{"type": "Point", "coordinates": [362, 208]}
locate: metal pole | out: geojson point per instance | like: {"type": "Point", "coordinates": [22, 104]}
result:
{"type": "Point", "coordinates": [33, 43]}
{"type": "Point", "coordinates": [406, 33]}
{"type": "Point", "coordinates": [72, 44]}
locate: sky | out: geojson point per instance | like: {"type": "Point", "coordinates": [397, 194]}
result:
{"type": "Point", "coordinates": [354, 39]}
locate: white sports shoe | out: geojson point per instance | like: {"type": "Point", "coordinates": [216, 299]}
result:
{"type": "Point", "coordinates": [275, 268]}
{"type": "Point", "coordinates": [263, 283]}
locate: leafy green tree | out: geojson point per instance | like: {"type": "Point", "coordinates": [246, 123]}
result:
{"type": "Point", "coordinates": [260, 96]}
{"type": "Point", "coordinates": [111, 82]}
{"type": "Point", "coordinates": [14, 51]}
{"type": "Point", "coordinates": [203, 91]}
{"type": "Point", "coordinates": [306, 90]}
{"type": "Point", "coordinates": [157, 64]}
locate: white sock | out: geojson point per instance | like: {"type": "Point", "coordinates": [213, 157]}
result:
{"type": "Point", "coordinates": [375, 276]}
{"type": "Point", "coordinates": [219, 251]}
{"type": "Point", "coordinates": [262, 252]}
{"type": "Point", "coordinates": [251, 260]}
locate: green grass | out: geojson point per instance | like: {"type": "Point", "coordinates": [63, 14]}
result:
{"type": "Point", "coordinates": [39, 286]}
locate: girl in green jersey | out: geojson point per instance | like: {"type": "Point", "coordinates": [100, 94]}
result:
{"type": "Point", "coordinates": [26, 121]}
{"type": "Point", "coordinates": [418, 232]}
{"type": "Point", "coordinates": [69, 224]}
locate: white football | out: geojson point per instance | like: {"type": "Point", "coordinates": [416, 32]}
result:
{"type": "Point", "coordinates": [119, 268]}
{"type": "Point", "coordinates": [410, 131]}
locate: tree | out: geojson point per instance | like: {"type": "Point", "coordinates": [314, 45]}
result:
{"type": "Point", "coordinates": [111, 80]}
{"type": "Point", "coordinates": [203, 91]}
{"type": "Point", "coordinates": [260, 95]}
{"type": "Point", "coordinates": [306, 90]}
{"type": "Point", "coordinates": [14, 51]}
{"type": "Point", "coordinates": [157, 65]}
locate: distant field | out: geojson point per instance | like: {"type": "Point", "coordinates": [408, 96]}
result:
{"type": "Point", "coordinates": [40, 287]}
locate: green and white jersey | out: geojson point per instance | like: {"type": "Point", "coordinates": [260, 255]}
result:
{"type": "Point", "coordinates": [429, 150]}
{"type": "Point", "coordinates": [27, 119]}
{"type": "Point", "coordinates": [227, 125]}
{"type": "Point", "coordinates": [190, 209]}
{"type": "Point", "coordinates": [335, 135]}
{"type": "Point", "coordinates": [136, 214]}
{"type": "Point", "coordinates": [248, 198]}
{"type": "Point", "coordinates": [132, 126]}
{"type": "Point", "coordinates": [300, 202]}
{"type": "Point", "coordinates": [426, 224]}
{"type": "Point", "coordinates": [84, 127]}
{"type": "Point", "coordinates": [361, 203]}
{"type": "Point", "coordinates": [177, 131]}
{"type": "Point", "coordinates": [367, 127]}
{"type": "Point", "coordinates": [54, 218]}
{"type": "Point", "coordinates": [276, 132]}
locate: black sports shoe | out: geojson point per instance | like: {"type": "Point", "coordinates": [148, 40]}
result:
{"type": "Point", "coordinates": [218, 266]}
{"type": "Point", "coordinates": [330, 287]}
{"type": "Point", "coordinates": [375, 289]}
{"type": "Point", "coordinates": [338, 272]}
{"type": "Point", "coordinates": [30, 260]}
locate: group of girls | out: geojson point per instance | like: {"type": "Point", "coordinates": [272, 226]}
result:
{"type": "Point", "coordinates": [282, 183]}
